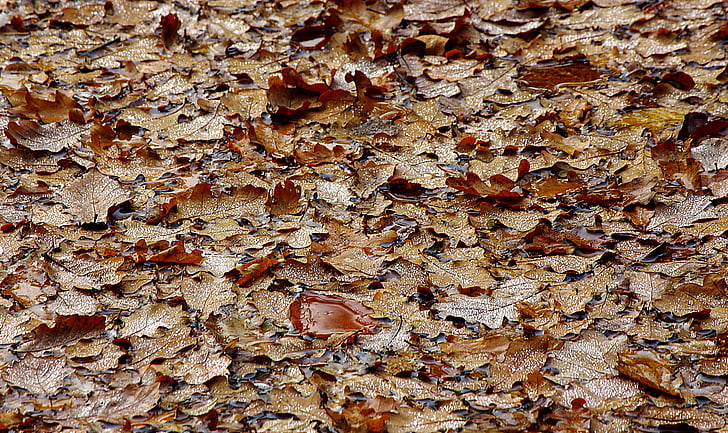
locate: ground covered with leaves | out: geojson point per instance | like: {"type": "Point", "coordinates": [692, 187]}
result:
{"type": "Point", "coordinates": [349, 216]}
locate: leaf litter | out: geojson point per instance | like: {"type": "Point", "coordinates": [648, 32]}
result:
{"type": "Point", "coordinates": [372, 216]}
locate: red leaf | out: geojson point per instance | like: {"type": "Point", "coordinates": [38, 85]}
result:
{"type": "Point", "coordinates": [323, 315]}
{"type": "Point", "coordinates": [170, 24]}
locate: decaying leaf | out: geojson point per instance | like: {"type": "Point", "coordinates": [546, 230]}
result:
{"type": "Point", "coordinates": [66, 330]}
{"type": "Point", "coordinates": [490, 310]}
{"type": "Point", "coordinates": [201, 202]}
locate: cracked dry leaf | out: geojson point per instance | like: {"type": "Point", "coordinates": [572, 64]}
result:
{"type": "Point", "coordinates": [146, 321]}
{"type": "Point", "coordinates": [52, 137]}
{"type": "Point", "coordinates": [39, 375]}
{"type": "Point", "coordinates": [91, 197]}
{"type": "Point", "coordinates": [84, 271]}
{"type": "Point", "coordinates": [490, 310]}
{"type": "Point", "coordinates": [207, 293]}
{"type": "Point", "coordinates": [201, 202]}
{"type": "Point", "coordinates": [593, 356]}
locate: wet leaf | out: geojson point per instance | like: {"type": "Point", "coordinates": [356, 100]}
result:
{"type": "Point", "coordinates": [90, 197]}
{"type": "Point", "coordinates": [116, 405]}
{"type": "Point", "coordinates": [39, 375]}
{"type": "Point", "coordinates": [551, 76]}
{"type": "Point", "coordinates": [491, 310]}
{"type": "Point", "coordinates": [207, 293]}
{"type": "Point", "coordinates": [52, 137]}
{"type": "Point", "coordinates": [323, 315]}
{"type": "Point", "coordinates": [522, 358]}
{"type": "Point", "coordinates": [65, 330]}
{"type": "Point", "coordinates": [201, 202]}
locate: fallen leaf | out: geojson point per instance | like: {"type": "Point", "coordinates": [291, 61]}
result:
{"type": "Point", "coordinates": [323, 315]}
{"type": "Point", "coordinates": [522, 358]}
{"type": "Point", "coordinates": [201, 202]}
{"type": "Point", "coordinates": [52, 137]}
{"type": "Point", "coordinates": [90, 197]}
{"type": "Point", "coordinates": [66, 330]}
{"type": "Point", "coordinates": [39, 375]}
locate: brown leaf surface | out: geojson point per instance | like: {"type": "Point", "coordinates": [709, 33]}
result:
{"type": "Point", "coordinates": [90, 197]}
{"type": "Point", "coordinates": [116, 405]}
{"type": "Point", "coordinates": [522, 358]}
{"type": "Point", "coordinates": [52, 137]}
{"type": "Point", "coordinates": [201, 202]}
{"type": "Point", "coordinates": [39, 375]}
{"type": "Point", "coordinates": [363, 215]}
{"type": "Point", "coordinates": [66, 330]}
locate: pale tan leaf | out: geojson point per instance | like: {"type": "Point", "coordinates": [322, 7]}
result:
{"type": "Point", "coordinates": [207, 293]}
{"type": "Point", "coordinates": [84, 271]}
{"type": "Point", "coordinates": [39, 375]}
{"type": "Point", "coordinates": [53, 137]}
{"type": "Point", "coordinates": [115, 405]}
{"type": "Point", "coordinates": [591, 357]}
{"type": "Point", "coordinates": [147, 320]}
{"type": "Point", "coordinates": [90, 197]}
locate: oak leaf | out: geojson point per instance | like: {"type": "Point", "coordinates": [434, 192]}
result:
{"type": "Point", "coordinates": [207, 293]}
{"type": "Point", "coordinates": [116, 405]}
{"type": "Point", "coordinates": [522, 358]}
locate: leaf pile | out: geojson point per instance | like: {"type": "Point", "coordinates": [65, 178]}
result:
{"type": "Point", "coordinates": [363, 216]}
